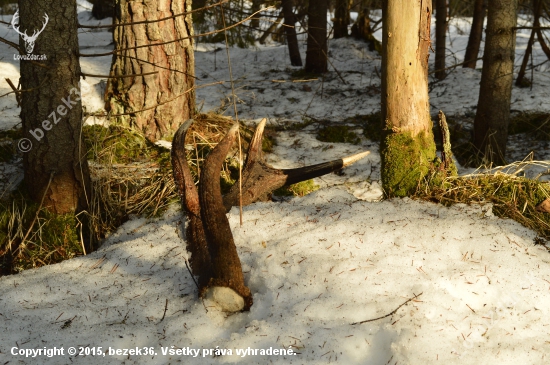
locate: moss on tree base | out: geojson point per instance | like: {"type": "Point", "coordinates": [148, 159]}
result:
{"type": "Point", "coordinates": [406, 159]}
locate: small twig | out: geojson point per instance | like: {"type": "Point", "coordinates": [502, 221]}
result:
{"type": "Point", "coordinates": [185, 13]}
{"type": "Point", "coordinates": [102, 114]}
{"type": "Point", "coordinates": [165, 309]}
{"type": "Point", "coordinates": [446, 154]}
{"type": "Point", "coordinates": [37, 213]}
{"type": "Point", "coordinates": [16, 91]}
{"type": "Point", "coordinates": [236, 119]}
{"type": "Point", "coordinates": [121, 50]}
{"type": "Point", "coordinates": [389, 314]}
{"type": "Point", "coordinates": [84, 75]}
{"type": "Point", "coordinates": [190, 273]}
{"type": "Point", "coordinates": [197, 284]}
{"type": "Point", "coordinates": [14, 45]}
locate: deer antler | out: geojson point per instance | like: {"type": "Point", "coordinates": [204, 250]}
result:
{"type": "Point", "coordinates": [36, 33]}
{"type": "Point", "coordinates": [227, 284]}
{"type": "Point", "coordinates": [259, 179]}
{"type": "Point", "coordinates": [189, 196]}
{"type": "Point", "coordinates": [214, 256]}
{"type": "Point", "coordinates": [29, 40]}
{"type": "Point", "coordinates": [13, 19]}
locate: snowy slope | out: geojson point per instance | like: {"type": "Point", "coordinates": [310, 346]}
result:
{"type": "Point", "coordinates": [315, 264]}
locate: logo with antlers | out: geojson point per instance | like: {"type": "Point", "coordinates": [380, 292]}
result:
{"type": "Point", "coordinates": [29, 40]}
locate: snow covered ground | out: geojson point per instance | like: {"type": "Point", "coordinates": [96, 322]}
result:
{"type": "Point", "coordinates": [316, 265]}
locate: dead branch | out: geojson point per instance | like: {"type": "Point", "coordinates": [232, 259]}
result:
{"type": "Point", "coordinates": [84, 75]}
{"type": "Point", "coordinates": [172, 41]}
{"type": "Point", "coordinates": [389, 314]}
{"type": "Point", "coordinates": [152, 21]}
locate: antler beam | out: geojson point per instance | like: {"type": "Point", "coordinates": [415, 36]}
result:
{"type": "Point", "coordinates": [214, 256]}
{"type": "Point", "coordinates": [259, 179]}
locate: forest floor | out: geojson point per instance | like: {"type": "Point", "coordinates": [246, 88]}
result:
{"type": "Point", "coordinates": [479, 285]}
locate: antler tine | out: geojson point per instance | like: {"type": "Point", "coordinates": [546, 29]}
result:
{"type": "Point", "coordinates": [13, 19]}
{"type": "Point", "coordinates": [309, 172]}
{"type": "Point", "coordinates": [227, 284]}
{"type": "Point", "coordinates": [196, 239]}
{"type": "Point", "coordinates": [259, 179]}
{"type": "Point", "coordinates": [254, 152]}
{"type": "Point", "coordinates": [182, 174]}
{"type": "Point", "coordinates": [36, 33]}
{"type": "Point", "coordinates": [46, 18]}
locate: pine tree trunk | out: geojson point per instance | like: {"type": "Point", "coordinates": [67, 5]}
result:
{"type": "Point", "coordinates": [408, 147]}
{"type": "Point", "coordinates": [476, 33]}
{"type": "Point", "coordinates": [291, 39]}
{"type": "Point", "coordinates": [199, 16]}
{"type": "Point", "coordinates": [156, 104]}
{"type": "Point", "coordinates": [51, 111]}
{"type": "Point", "coordinates": [316, 53]}
{"type": "Point", "coordinates": [341, 18]}
{"type": "Point", "coordinates": [255, 22]}
{"type": "Point", "coordinates": [440, 30]}
{"type": "Point", "coordinates": [493, 108]}
{"type": "Point", "coordinates": [537, 10]}
{"type": "Point", "coordinates": [103, 8]}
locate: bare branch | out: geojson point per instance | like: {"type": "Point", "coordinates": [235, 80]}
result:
{"type": "Point", "coordinates": [84, 75]}
{"type": "Point", "coordinates": [152, 21]}
{"type": "Point", "coordinates": [172, 41]}
{"type": "Point", "coordinates": [389, 314]}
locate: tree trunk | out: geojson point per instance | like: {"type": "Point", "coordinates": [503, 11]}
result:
{"type": "Point", "coordinates": [272, 30]}
{"type": "Point", "coordinates": [493, 108]}
{"type": "Point", "coordinates": [156, 104]}
{"type": "Point", "coordinates": [537, 10]}
{"type": "Point", "coordinates": [440, 30]}
{"type": "Point", "coordinates": [255, 22]}
{"type": "Point", "coordinates": [361, 29]}
{"type": "Point", "coordinates": [408, 147]}
{"type": "Point", "coordinates": [316, 53]}
{"type": "Point", "coordinates": [291, 39]}
{"type": "Point", "coordinates": [103, 8]}
{"type": "Point", "coordinates": [199, 16]}
{"type": "Point", "coordinates": [476, 33]}
{"type": "Point", "coordinates": [51, 111]}
{"type": "Point", "coordinates": [341, 18]}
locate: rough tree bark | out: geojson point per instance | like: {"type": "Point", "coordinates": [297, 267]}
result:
{"type": "Point", "coordinates": [51, 111]}
{"type": "Point", "coordinates": [537, 11]}
{"type": "Point", "coordinates": [156, 104]}
{"type": "Point", "coordinates": [341, 18]}
{"type": "Point", "coordinates": [476, 33]}
{"type": "Point", "coordinates": [493, 108]}
{"type": "Point", "coordinates": [291, 39]}
{"type": "Point", "coordinates": [440, 30]}
{"type": "Point", "coordinates": [408, 147]}
{"type": "Point", "coordinates": [316, 53]}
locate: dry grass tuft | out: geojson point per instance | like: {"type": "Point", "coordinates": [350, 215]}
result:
{"type": "Point", "coordinates": [512, 195]}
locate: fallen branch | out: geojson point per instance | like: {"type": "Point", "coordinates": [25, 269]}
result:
{"type": "Point", "coordinates": [389, 314]}
{"type": "Point", "coordinates": [165, 309]}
